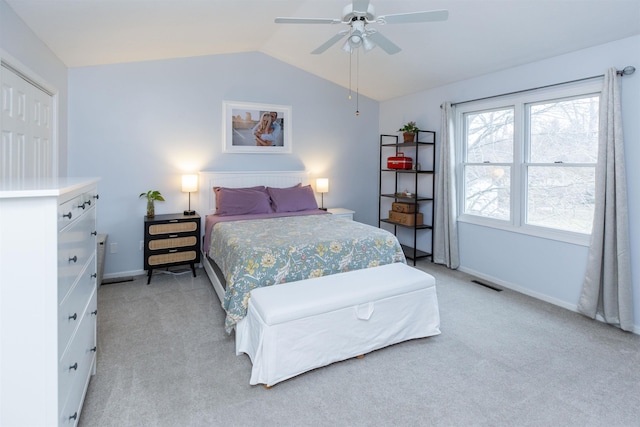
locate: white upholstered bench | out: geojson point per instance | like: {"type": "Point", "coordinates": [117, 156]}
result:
{"type": "Point", "coordinates": [295, 327]}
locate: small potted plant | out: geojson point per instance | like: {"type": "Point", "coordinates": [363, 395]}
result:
{"type": "Point", "coordinates": [409, 131]}
{"type": "Point", "coordinates": [151, 196]}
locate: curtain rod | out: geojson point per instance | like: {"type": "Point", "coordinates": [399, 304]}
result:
{"type": "Point", "coordinates": [624, 72]}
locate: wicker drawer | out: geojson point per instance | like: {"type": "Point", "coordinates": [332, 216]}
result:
{"type": "Point", "coordinates": [171, 258]}
{"type": "Point", "coordinates": [174, 242]}
{"type": "Point", "coordinates": [177, 227]}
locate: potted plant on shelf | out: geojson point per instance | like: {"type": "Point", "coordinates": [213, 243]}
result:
{"type": "Point", "coordinates": [152, 196]}
{"type": "Point", "coordinates": [409, 131]}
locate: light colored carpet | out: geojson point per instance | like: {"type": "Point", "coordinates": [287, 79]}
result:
{"type": "Point", "coordinates": [503, 359]}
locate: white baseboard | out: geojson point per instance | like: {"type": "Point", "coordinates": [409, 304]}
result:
{"type": "Point", "coordinates": [533, 294]}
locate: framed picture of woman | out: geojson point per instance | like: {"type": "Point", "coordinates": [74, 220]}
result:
{"type": "Point", "coordinates": [256, 128]}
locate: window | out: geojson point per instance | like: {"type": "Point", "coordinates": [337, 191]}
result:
{"type": "Point", "coordinates": [528, 162]}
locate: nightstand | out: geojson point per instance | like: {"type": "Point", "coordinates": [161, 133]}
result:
{"type": "Point", "coordinates": [171, 239]}
{"type": "Point", "coordinates": [342, 213]}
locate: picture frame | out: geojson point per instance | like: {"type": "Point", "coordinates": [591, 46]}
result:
{"type": "Point", "coordinates": [241, 124]}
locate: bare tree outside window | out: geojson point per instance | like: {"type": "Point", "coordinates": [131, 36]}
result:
{"type": "Point", "coordinates": [489, 155]}
{"type": "Point", "coordinates": [554, 181]}
{"type": "Point", "coordinates": [563, 151]}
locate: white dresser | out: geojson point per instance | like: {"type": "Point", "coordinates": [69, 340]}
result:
{"type": "Point", "coordinates": [48, 304]}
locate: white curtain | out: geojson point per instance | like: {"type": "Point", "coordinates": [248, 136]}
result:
{"type": "Point", "coordinates": [607, 285]}
{"type": "Point", "coordinates": [445, 228]}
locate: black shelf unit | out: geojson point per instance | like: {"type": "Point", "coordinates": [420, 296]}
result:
{"type": "Point", "coordinates": [423, 147]}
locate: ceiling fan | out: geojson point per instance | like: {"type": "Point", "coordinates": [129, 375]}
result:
{"type": "Point", "coordinates": [357, 16]}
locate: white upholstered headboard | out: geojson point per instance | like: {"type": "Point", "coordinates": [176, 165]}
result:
{"type": "Point", "coordinates": [208, 180]}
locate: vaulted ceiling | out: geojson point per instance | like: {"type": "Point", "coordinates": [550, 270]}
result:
{"type": "Point", "coordinates": [479, 37]}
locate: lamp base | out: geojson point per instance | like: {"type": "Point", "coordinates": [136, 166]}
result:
{"type": "Point", "coordinates": [323, 209]}
{"type": "Point", "coordinates": [189, 212]}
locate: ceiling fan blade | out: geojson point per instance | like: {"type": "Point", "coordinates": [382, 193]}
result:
{"type": "Point", "coordinates": [412, 17]}
{"type": "Point", "coordinates": [280, 20]}
{"type": "Point", "coordinates": [326, 45]}
{"type": "Point", "coordinates": [384, 43]}
{"type": "Point", "coordinates": [360, 5]}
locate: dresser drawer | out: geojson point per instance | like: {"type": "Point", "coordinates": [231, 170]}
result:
{"type": "Point", "coordinates": [76, 245]}
{"type": "Point", "coordinates": [72, 308]}
{"type": "Point", "coordinates": [173, 227]}
{"type": "Point", "coordinates": [173, 242]}
{"type": "Point", "coordinates": [74, 369]}
{"type": "Point", "coordinates": [173, 257]}
{"type": "Point", "coordinates": [73, 208]}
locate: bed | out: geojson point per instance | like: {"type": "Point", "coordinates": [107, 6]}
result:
{"type": "Point", "coordinates": [303, 288]}
{"type": "Point", "coordinates": [248, 251]}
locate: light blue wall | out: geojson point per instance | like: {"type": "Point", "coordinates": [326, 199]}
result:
{"type": "Point", "coordinates": [20, 43]}
{"type": "Point", "coordinates": [547, 269]}
{"type": "Point", "coordinates": [141, 125]}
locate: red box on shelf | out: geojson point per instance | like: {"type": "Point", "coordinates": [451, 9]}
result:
{"type": "Point", "coordinates": [399, 161]}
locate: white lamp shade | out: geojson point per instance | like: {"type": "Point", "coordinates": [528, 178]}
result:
{"type": "Point", "coordinates": [322, 185]}
{"type": "Point", "coordinates": [189, 183]}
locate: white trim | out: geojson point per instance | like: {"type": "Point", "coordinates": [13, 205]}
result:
{"type": "Point", "coordinates": [26, 73]}
{"type": "Point", "coordinates": [519, 102]}
{"type": "Point", "coordinates": [533, 294]}
{"type": "Point", "coordinates": [15, 66]}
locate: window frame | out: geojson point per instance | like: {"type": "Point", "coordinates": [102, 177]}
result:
{"type": "Point", "coordinates": [518, 186]}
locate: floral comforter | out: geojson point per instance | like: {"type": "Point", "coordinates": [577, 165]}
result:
{"type": "Point", "coordinates": [264, 252]}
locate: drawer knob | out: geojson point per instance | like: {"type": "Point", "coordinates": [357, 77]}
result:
{"type": "Point", "coordinates": [95, 348]}
{"type": "Point", "coordinates": [68, 215]}
{"type": "Point", "coordinates": [97, 196]}
{"type": "Point", "coordinates": [74, 416]}
{"type": "Point", "coordinates": [82, 206]}
{"type": "Point", "coordinates": [94, 275]}
{"type": "Point", "coordinates": [74, 317]}
{"type": "Point", "coordinates": [94, 233]}
{"type": "Point", "coordinates": [88, 202]}
{"type": "Point", "coordinates": [74, 259]}
{"type": "Point", "coordinates": [74, 366]}
{"type": "Point", "coordinates": [95, 312]}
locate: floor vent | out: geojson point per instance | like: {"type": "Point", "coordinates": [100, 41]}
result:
{"type": "Point", "coordinates": [117, 280]}
{"type": "Point", "coordinates": [486, 286]}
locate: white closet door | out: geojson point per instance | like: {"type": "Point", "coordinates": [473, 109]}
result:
{"type": "Point", "coordinates": [26, 145]}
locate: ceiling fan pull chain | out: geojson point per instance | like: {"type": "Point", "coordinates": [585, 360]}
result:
{"type": "Point", "coordinates": [357, 82]}
{"type": "Point", "coordinates": [350, 73]}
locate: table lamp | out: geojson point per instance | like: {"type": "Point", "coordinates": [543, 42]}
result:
{"type": "Point", "coordinates": [322, 186]}
{"type": "Point", "coordinates": [189, 185]}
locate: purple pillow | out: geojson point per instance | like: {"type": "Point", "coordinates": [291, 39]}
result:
{"type": "Point", "coordinates": [242, 201]}
{"type": "Point", "coordinates": [292, 199]}
{"type": "Point", "coordinates": [216, 191]}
